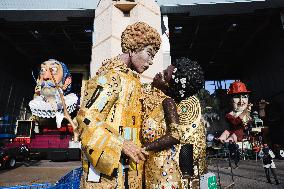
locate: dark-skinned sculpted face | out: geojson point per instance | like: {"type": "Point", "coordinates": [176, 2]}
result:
{"type": "Point", "coordinates": [181, 80]}
{"type": "Point", "coordinates": [47, 102]}
{"type": "Point", "coordinates": [162, 79]}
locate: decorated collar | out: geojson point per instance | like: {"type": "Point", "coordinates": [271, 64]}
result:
{"type": "Point", "coordinates": [151, 98]}
{"type": "Point", "coordinates": [116, 64]}
{"type": "Point", "coordinates": [41, 108]}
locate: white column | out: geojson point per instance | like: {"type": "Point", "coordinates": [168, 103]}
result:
{"type": "Point", "coordinates": [110, 22]}
{"type": "Point", "coordinates": [166, 42]}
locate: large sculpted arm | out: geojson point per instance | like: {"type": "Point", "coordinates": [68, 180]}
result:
{"type": "Point", "coordinates": [101, 143]}
{"type": "Point", "coordinates": [172, 120]}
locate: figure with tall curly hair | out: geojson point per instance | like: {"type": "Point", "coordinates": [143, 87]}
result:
{"type": "Point", "coordinates": [171, 117]}
{"type": "Point", "coordinates": [110, 115]}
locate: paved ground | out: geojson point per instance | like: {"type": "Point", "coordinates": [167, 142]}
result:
{"type": "Point", "coordinates": [249, 175]}
{"type": "Point", "coordinates": [37, 172]}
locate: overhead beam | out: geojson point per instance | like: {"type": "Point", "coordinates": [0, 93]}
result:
{"type": "Point", "coordinates": [251, 38]}
{"type": "Point", "coordinates": [16, 46]}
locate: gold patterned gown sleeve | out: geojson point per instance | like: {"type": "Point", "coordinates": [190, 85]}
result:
{"type": "Point", "coordinates": [109, 114]}
{"type": "Point", "coordinates": [161, 168]}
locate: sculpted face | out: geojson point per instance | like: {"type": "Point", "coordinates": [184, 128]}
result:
{"type": "Point", "coordinates": [240, 102]}
{"type": "Point", "coordinates": [47, 102]}
{"type": "Point", "coordinates": [141, 60]}
{"type": "Point", "coordinates": [47, 85]}
{"type": "Point", "coordinates": [162, 79]}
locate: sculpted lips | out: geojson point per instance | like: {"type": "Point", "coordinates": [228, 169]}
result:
{"type": "Point", "coordinates": [145, 67]}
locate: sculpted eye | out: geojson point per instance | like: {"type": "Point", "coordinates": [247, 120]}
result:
{"type": "Point", "coordinates": [165, 73]}
{"type": "Point", "coordinates": [42, 70]}
{"type": "Point", "coordinates": [150, 54]}
{"type": "Point", "coordinates": [54, 70]}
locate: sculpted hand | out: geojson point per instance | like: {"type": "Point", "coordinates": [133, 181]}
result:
{"type": "Point", "coordinates": [249, 107]}
{"type": "Point", "coordinates": [262, 104]}
{"type": "Point", "coordinates": [133, 151]}
{"type": "Point", "coordinates": [246, 111]}
{"type": "Point", "coordinates": [143, 150]}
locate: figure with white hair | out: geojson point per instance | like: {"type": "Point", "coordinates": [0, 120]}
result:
{"type": "Point", "coordinates": [47, 102]}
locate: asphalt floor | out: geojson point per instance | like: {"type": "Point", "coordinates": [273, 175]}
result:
{"type": "Point", "coordinates": [249, 175]}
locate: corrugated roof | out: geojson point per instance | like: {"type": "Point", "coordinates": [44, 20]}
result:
{"type": "Point", "coordinates": [48, 4]}
{"type": "Point", "coordinates": [192, 7]}
{"type": "Point", "coordinates": [215, 7]}
{"type": "Point", "coordinates": [92, 4]}
{"type": "Point", "coordinates": [197, 2]}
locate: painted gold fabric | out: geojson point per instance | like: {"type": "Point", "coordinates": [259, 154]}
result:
{"type": "Point", "coordinates": [189, 115]}
{"type": "Point", "coordinates": [175, 131]}
{"type": "Point", "coordinates": [161, 168]}
{"type": "Point", "coordinates": [109, 114]}
{"type": "Point", "coordinates": [193, 131]}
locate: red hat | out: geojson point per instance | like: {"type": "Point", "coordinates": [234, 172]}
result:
{"type": "Point", "coordinates": [237, 87]}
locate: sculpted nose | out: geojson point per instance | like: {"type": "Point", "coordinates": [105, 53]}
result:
{"type": "Point", "coordinates": [47, 75]}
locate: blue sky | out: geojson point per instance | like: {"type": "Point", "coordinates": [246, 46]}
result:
{"type": "Point", "coordinates": [209, 85]}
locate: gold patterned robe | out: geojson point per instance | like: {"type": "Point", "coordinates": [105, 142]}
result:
{"type": "Point", "coordinates": [110, 113]}
{"type": "Point", "coordinates": [191, 130]}
{"type": "Point", "coordinates": [161, 168]}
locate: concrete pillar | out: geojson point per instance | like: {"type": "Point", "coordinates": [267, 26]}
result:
{"type": "Point", "coordinates": [166, 48]}
{"type": "Point", "coordinates": [111, 19]}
